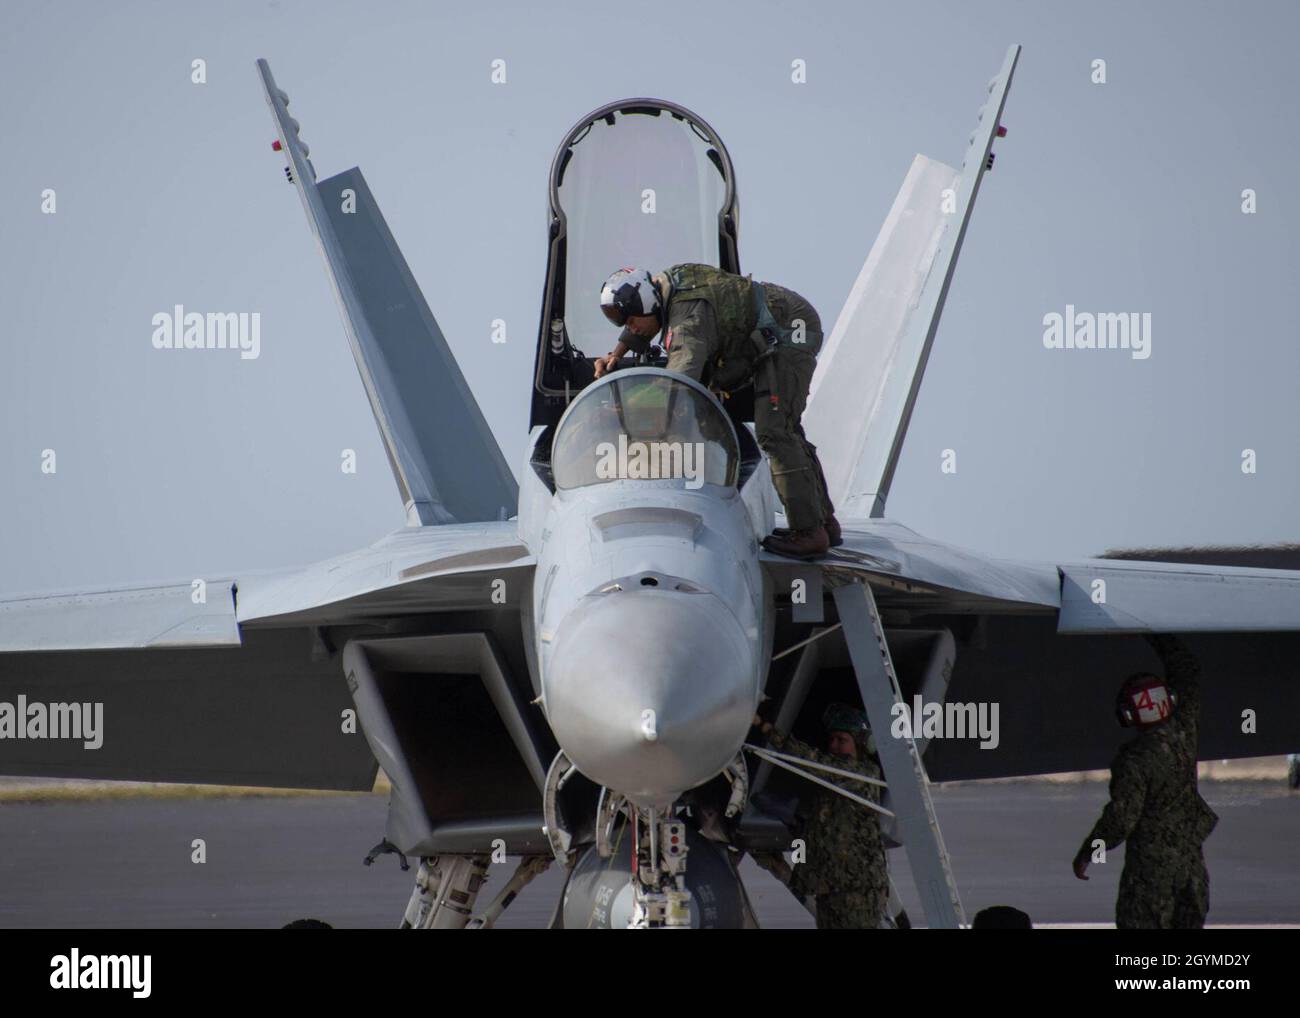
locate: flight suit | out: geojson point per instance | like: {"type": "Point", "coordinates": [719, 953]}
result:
{"type": "Point", "coordinates": [845, 867]}
{"type": "Point", "coordinates": [1155, 807]}
{"type": "Point", "coordinates": [710, 322]}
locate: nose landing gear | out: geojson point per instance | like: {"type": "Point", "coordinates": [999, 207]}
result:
{"type": "Point", "coordinates": [660, 897]}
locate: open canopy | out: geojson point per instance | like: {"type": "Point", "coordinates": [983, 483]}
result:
{"type": "Point", "coordinates": [639, 182]}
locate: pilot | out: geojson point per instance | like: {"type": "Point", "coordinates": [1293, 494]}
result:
{"type": "Point", "coordinates": [845, 869]}
{"type": "Point", "coordinates": [726, 331]}
{"type": "Point", "coordinates": [1154, 804]}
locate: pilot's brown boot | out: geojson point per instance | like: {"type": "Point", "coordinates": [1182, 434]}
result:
{"type": "Point", "coordinates": [804, 544]}
{"type": "Point", "coordinates": [833, 532]}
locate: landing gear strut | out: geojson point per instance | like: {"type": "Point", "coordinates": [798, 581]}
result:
{"type": "Point", "coordinates": [445, 890]}
{"type": "Point", "coordinates": [660, 897]}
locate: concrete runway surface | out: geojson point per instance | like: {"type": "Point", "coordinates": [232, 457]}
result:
{"type": "Point", "coordinates": [127, 862]}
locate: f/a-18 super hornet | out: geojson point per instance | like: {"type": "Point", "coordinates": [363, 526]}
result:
{"type": "Point", "coordinates": [564, 666]}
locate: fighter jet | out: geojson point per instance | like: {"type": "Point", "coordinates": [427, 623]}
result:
{"type": "Point", "coordinates": [563, 667]}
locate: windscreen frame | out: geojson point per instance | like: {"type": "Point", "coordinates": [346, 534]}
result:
{"type": "Point", "coordinates": [735, 450]}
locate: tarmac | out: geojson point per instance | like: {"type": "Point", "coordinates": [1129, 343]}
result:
{"type": "Point", "coordinates": [129, 861]}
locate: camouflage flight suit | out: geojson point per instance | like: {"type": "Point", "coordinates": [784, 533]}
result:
{"type": "Point", "coordinates": [1155, 807]}
{"type": "Point", "coordinates": [845, 868]}
{"type": "Point", "coordinates": [710, 337]}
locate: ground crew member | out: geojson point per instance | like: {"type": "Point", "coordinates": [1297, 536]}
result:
{"type": "Point", "coordinates": [726, 331]}
{"type": "Point", "coordinates": [1154, 804]}
{"type": "Point", "coordinates": [845, 869]}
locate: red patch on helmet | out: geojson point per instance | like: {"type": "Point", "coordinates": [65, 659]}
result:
{"type": "Point", "coordinates": [1151, 702]}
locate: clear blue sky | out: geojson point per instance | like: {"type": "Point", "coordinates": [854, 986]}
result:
{"type": "Point", "coordinates": [1116, 197]}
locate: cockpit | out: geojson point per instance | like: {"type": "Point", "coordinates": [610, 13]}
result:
{"type": "Point", "coordinates": [644, 424]}
{"type": "Point", "coordinates": [638, 182]}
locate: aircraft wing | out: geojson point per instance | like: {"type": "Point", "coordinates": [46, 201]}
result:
{"type": "Point", "coordinates": [1110, 596]}
{"type": "Point", "coordinates": [173, 690]}
{"type": "Point", "coordinates": [926, 573]}
{"type": "Point", "coordinates": [1049, 645]}
{"type": "Point", "coordinates": [241, 681]}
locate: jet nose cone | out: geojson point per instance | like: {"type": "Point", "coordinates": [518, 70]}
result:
{"type": "Point", "coordinates": [650, 693]}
